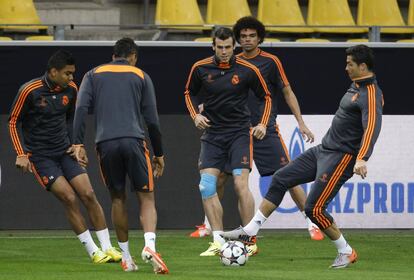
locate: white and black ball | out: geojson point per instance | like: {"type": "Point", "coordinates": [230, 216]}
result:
{"type": "Point", "coordinates": [233, 253]}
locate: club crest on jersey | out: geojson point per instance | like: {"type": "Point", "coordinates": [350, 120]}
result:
{"type": "Point", "coordinates": [65, 100]}
{"type": "Point", "coordinates": [355, 97]}
{"type": "Point", "coordinates": [235, 80]}
{"type": "Point", "coordinates": [210, 78]}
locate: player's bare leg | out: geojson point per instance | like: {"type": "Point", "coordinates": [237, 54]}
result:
{"type": "Point", "coordinates": [299, 197]}
{"type": "Point", "coordinates": [66, 194]}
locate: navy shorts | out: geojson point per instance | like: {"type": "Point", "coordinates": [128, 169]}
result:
{"type": "Point", "coordinates": [48, 168]}
{"type": "Point", "coordinates": [270, 154]}
{"type": "Point", "coordinates": [218, 149]}
{"type": "Point", "coordinates": [125, 156]}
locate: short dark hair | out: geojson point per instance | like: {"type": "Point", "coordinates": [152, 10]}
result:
{"type": "Point", "coordinates": [223, 33]}
{"type": "Point", "coordinates": [60, 59]}
{"type": "Point", "coordinates": [362, 54]}
{"type": "Point", "coordinates": [249, 23]}
{"type": "Point", "coordinates": [125, 47]}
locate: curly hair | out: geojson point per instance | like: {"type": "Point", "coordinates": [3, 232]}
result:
{"type": "Point", "coordinates": [249, 23]}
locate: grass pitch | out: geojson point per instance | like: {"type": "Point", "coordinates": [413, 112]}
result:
{"type": "Point", "coordinates": [283, 255]}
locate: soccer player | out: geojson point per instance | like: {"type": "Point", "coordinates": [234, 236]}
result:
{"type": "Point", "coordinates": [224, 81]}
{"type": "Point", "coordinates": [40, 126]}
{"type": "Point", "coordinates": [269, 154]}
{"type": "Point", "coordinates": [122, 95]}
{"type": "Point", "coordinates": [345, 149]}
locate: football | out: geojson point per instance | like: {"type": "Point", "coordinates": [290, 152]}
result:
{"type": "Point", "coordinates": [233, 253]}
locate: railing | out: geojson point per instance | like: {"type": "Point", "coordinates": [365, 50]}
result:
{"type": "Point", "coordinates": [58, 30]}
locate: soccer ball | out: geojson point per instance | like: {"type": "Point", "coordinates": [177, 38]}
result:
{"type": "Point", "coordinates": [233, 253]}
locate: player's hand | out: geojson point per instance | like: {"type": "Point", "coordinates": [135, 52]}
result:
{"type": "Point", "coordinates": [23, 163]}
{"type": "Point", "coordinates": [201, 122]}
{"type": "Point", "coordinates": [158, 165]}
{"type": "Point", "coordinates": [360, 168]}
{"type": "Point", "coordinates": [259, 131]}
{"type": "Point", "coordinates": [78, 152]}
{"type": "Point", "coordinates": [306, 133]}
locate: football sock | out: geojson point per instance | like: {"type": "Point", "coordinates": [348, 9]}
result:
{"type": "Point", "coordinates": [124, 246]}
{"type": "Point", "coordinates": [206, 222]}
{"type": "Point", "coordinates": [217, 237]}
{"type": "Point", "coordinates": [103, 237]}
{"type": "Point", "coordinates": [253, 227]}
{"type": "Point", "coordinates": [342, 246]}
{"type": "Point", "coordinates": [86, 239]}
{"type": "Point", "coordinates": [150, 240]}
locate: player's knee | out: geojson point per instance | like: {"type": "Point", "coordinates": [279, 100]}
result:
{"type": "Point", "coordinates": [208, 184]}
{"type": "Point", "coordinates": [277, 184]}
{"type": "Point", "coordinates": [68, 199]}
{"type": "Point", "coordinates": [88, 196]}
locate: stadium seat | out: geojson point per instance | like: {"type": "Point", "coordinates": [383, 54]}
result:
{"type": "Point", "coordinates": [332, 12]}
{"type": "Point", "coordinates": [382, 13]}
{"type": "Point", "coordinates": [226, 12]}
{"type": "Point", "coordinates": [39, 38]}
{"type": "Point", "coordinates": [19, 12]}
{"type": "Point", "coordinates": [406, 41]}
{"type": "Point", "coordinates": [5, 38]}
{"type": "Point", "coordinates": [270, 40]}
{"type": "Point", "coordinates": [361, 40]}
{"type": "Point", "coordinates": [179, 12]}
{"type": "Point", "coordinates": [410, 20]}
{"type": "Point", "coordinates": [282, 12]}
{"type": "Point", "coordinates": [312, 40]}
{"type": "Point", "coordinates": [203, 39]}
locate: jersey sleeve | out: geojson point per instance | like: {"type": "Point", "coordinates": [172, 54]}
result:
{"type": "Point", "coordinates": [370, 103]}
{"type": "Point", "coordinates": [19, 108]}
{"type": "Point", "coordinates": [192, 89]}
{"type": "Point", "coordinates": [150, 115]}
{"type": "Point", "coordinates": [260, 89]}
{"type": "Point", "coordinates": [83, 103]}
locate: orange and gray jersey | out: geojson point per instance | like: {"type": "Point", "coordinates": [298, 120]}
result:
{"type": "Point", "coordinates": [41, 116]}
{"type": "Point", "coordinates": [357, 123]}
{"type": "Point", "coordinates": [123, 100]}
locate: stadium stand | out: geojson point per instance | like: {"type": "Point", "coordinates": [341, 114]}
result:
{"type": "Point", "coordinates": [3, 38]}
{"type": "Point", "coordinates": [410, 19]}
{"type": "Point", "coordinates": [382, 13]}
{"type": "Point", "coordinates": [358, 40]}
{"type": "Point", "coordinates": [39, 38]}
{"type": "Point", "coordinates": [19, 12]}
{"type": "Point", "coordinates": [226, 12]}
{"type": "Point", "coordinates": [335, 13]}
{"type": "Point", "coordinates": [312, 40]}
{"type": "Point", "coordinates": [282, 12]}
{"type": "Point", "coordinates": [174, 13]}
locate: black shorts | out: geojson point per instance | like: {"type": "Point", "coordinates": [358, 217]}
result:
{"type": "Point", "coordinates": [125, 156]}
{"type": "Point", "coordinates": [48, 168]}
{"type": "Point", "coordinates": [270, 154]}
{"type": "Point", "coordinates": [218, 149]}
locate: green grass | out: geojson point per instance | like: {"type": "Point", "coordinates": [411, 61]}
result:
{"type": "Point", "coordinates": [283, 255]}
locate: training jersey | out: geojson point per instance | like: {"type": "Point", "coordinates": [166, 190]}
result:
{"type": "Point", "coordinates": [41, 116]}
{"type": "Point", "coordinates": [223, 88]}
{"type": "Point", "coordinates": [272, 70]}
{"type": "Point", "coordinates": [357, 122]}
{"type": "Point", "coordinates": [123, 100]}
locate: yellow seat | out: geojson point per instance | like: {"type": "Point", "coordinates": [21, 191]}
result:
{"type": "Point", "coordinates": [5, 38]}
{"type": "Point", "coordinates": [269, 40]}
{"type": "Point", "coordinates": [312, 40]}
{"type": "Point", "coordinates": [332, 12]}
{"type": "Point", "coordinates": [282, 12]}
{"type": "Point", "coordinates": [39, 38]}
{"type": "Point", "coordinates": [382, 13]}
{"type": "Point", "coordinates": [226, 12]}
{"type": "Point", "coordinates": [19, 12]}
{"type": "Point", "coordinates": [406, 41]}
{"type": "Point", "coordinates": [204, 39]}
{"type": "Point", "coordinates": [410, 20]}
{"type": "Point", "coordinates": [361, 40]}
{"type": "Point", "coordinates": [174, 13]}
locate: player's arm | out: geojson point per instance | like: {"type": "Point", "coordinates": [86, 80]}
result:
{"type": "Point", "coordinates": [20, 106]}
{"type": "Point", "coordinates": [150, 114]}
{"type": "Point", "coordinates": [192, 88]}
{"type": "Point", "coordinates": [370, 103]}
{"type": "Point", "coordinates": [260, 89]}
{"type": "Point", "coordinates": [293, 104]}
{"type": "Point", "coordinates": [83, 103]}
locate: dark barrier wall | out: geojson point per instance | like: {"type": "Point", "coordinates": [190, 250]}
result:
{"type": "Point", "coordinates": [317, 76]}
